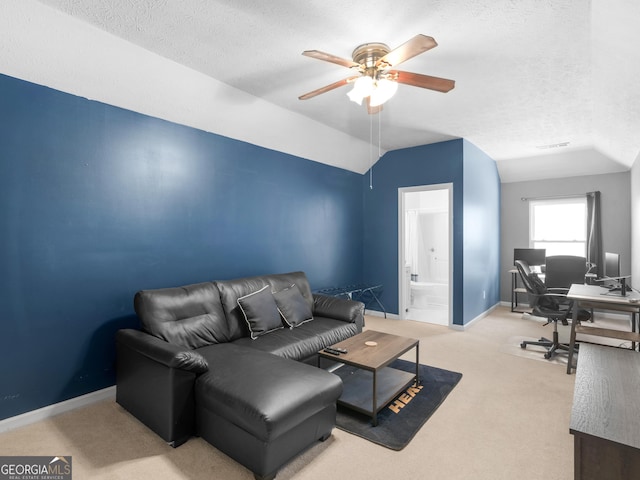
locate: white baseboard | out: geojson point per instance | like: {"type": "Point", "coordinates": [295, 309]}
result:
{"type": "Point", "coordinates": [393, 316]}
{"type": "Point", "coordinates": [473, 320]}
{"type": "Point", "coordinates": [49, 411]}
{"type": "Point", "coordinates": [376, 313]}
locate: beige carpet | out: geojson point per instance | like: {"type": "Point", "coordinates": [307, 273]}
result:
{"type": "Point", "coordinates": [534, 352]}
{"type": "Point", "coordinates": [508, 418]}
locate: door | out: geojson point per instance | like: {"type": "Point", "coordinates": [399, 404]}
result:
{"type": "Point", "coordinates": [425, 225]}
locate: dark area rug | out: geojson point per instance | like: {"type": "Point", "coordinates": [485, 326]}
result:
{"type": "Point", "coordinates": [404, 416]}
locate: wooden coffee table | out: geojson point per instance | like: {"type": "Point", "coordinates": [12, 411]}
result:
{"type": "Point", "coordinates": [373, 384]}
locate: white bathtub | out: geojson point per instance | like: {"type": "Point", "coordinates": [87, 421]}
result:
{"type": "Point", "coordinates": [424, 294]}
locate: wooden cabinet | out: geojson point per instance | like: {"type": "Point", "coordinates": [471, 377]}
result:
{"type": "Point", "coordinates": [605, 417]}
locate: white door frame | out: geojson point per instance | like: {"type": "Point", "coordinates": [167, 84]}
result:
{"type": "Point", "coordinates": [402, 286]}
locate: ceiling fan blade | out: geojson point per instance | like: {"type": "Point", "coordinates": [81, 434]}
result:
{"type": "Point", "coordinates": [327, 57]}
{"type": "Point", "coordinates": [424, 81]}
{"type": "Point", "coordinates": [417, 45]}
{"type": "Point", "coordinates": [328, 88]}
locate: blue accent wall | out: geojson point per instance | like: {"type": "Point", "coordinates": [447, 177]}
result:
{"type": "Point", "coordinates": [481, 200]}
{"type": "Point", "coordinates": [97, 202]}
{"type": "Point", "coordinates": [424, 165]}
{"type": "Point", "coordinates": [476, 227]}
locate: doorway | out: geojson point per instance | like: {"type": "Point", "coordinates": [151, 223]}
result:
{"type": "Point", "coordinates": [425, 225]}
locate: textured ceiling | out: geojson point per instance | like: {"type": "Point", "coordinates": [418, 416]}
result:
{"type": "Point", "coordinates": [528, 72]}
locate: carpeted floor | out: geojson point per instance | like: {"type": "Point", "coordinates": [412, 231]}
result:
{"type": "Point", "coordinates": [508, 418]}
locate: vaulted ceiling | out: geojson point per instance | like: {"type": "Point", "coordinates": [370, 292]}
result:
{"type": "Point", "coordinates": [548, 88]}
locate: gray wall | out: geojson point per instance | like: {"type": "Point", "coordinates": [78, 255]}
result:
{"type": "Point", "coordinates": [635, 223]}
{"type": "Point", "coordinates": [615, 198]}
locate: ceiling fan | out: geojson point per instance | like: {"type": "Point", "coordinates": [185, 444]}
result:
{"type": "Point", "coordinates": [376, 81]}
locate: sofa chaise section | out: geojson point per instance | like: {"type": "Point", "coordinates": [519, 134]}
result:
{"type": "Point", "coordinates": [262, 410]}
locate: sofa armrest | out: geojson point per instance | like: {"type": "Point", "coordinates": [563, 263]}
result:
{"type": "Point", "coordinates": [167, 354]}
{"type": "Point", "coordinates": [155, 383]}
{"type": "Point", "coordinates": [349, 311]}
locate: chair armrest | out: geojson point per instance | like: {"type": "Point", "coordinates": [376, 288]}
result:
{"type": "Point", "coordinates": [558, 290]}
{"type": "Point", "coordinates": [165, 353]}
{"type": "Point", "coordinates": [349, 311]}
{"type": "Point", "coordinates": [547, 294]}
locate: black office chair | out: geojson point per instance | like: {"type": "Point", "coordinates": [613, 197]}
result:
{"type": "Point", "coordinates": [561, 271]}
{"type": "Point", "coordinates": [549, 303]}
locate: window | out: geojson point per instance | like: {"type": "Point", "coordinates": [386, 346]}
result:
{"type": "Point", "coordinates": [559, 226]}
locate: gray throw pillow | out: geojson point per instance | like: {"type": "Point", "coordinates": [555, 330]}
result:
{"type": "Point", "coordinates": [260, 312]}
{"type": "Point", "coordinates": [293, 307]}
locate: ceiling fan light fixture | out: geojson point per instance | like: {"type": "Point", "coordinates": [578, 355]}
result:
{"type": "Point", "coordinates": [385, 89]}
{"type": "Point", "coordinates": [373, 72]}
{"type": "Point", "coordinates": [362, 88]}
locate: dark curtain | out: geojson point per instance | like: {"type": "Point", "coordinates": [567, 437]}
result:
{"type": "Point", "coordinates": [594, 234]}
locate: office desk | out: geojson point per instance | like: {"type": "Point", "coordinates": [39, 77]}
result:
{"type": "Point", "coordinates": [605, 416]}
{"type": "Point", "coordinates": [596, 297]}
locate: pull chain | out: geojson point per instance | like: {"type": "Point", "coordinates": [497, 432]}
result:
{"type": "Point", "coordinates": [370, 152]}
{"type": "Point", "coordinates": [379, 134]}
{"type": "Point", "coordinates": [379, 114]}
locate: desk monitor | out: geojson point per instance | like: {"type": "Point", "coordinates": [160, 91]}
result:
{"type": "Point", "coordinates": [612, 273]}
{"type": "Point", "coordinates": [611, 265]}
{"type": "Point", "coordinates": [533, 256]}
